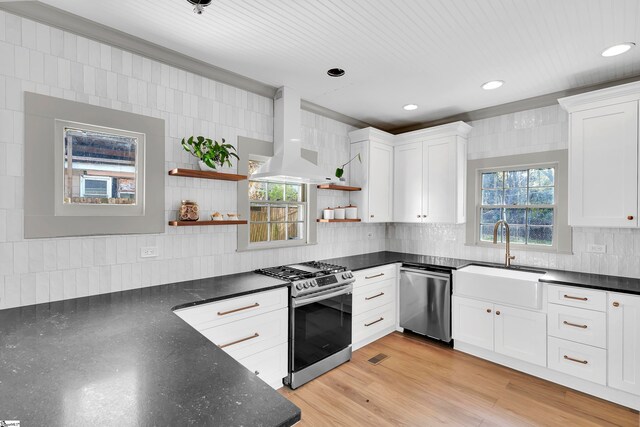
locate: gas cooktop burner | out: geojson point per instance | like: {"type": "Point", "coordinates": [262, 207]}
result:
{"type": "Point", "coordinates": [305, 270]}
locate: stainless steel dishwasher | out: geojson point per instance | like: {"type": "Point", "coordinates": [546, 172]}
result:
{"type": "Point", "coordinates": [425, 301]}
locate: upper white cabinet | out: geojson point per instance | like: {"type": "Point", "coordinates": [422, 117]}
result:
{"type": "Point", "coordinates": [603, 157]}
{"type": "Point", "coordinates": [624, 342]}
{"type": "Point", "coordinates": [374, 174]}
{"type": "Point", "coordinates": [430, 175]}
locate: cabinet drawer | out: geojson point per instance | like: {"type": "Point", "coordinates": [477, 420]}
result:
{"type": "Point", "coordinates": [374, 295]}
{"type": "Point", "coordinates": [579, 360]}
{"type": "Point", "coordinates": [270, 365]}
{"type": "Point", "coordinates": [373, 321]}
{"type": "Point", "coordinates": [205, 316]}
{"type": "Point", "coordinates": [251, 335]}
{"type": "Point", "coordinates": [373, 275]}
{"type": "Point", "coordinates": [578, 297]}
{"type": "Point", "coordinates": [577, 324]}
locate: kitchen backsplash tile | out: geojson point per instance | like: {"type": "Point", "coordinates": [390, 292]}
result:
{"type": "Point", "coordinates": [42, 59]}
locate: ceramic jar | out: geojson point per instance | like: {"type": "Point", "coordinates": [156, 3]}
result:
{"type": "Point", "coordinates": [327, 213]}
{"type": "Point", "coordinates": [351, 212]}
{"type": "Point", "coordinates": [188, 211]}
{"type": "Point", "coordinates": [339, 212]}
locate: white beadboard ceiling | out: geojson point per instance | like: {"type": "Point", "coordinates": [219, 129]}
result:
{"type": "Point", "coordinates": [434, 53]}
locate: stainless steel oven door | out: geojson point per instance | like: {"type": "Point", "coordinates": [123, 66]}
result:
{"type": "Point", "coordinates": [320, 326]}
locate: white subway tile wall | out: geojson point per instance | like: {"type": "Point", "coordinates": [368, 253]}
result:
{"type": "Point", "coordinates": [42, 59]}
{"type": "Point", "coordinates": [536, 130]}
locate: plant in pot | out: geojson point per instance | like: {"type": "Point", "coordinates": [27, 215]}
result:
{"type": "Point", "coordinates": [340, 170]}
{"type": "Point", "coordinates": [211, 154]}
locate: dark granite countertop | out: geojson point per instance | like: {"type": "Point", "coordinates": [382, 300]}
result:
{"type": "Point", "coordinates": [126, 359]}
{"type": "Point", "coordinates": [570, 278]}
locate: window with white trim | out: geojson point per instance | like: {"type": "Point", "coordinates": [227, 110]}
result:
{"type": "Point", "coordinates": [278, 211]}
{"type": "Point", "coordinates": [525, 197]}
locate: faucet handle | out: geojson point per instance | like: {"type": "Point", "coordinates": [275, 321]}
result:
{"type": "Point", "coordinates": [512, 257]}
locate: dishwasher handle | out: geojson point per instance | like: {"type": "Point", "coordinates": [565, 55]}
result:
{"type": "Point", "coordinates": [426, 272]}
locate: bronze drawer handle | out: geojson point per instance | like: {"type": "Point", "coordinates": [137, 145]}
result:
{"type": "Point", "coordinates": [375, 296]}
{"type": "Point", "coordinates": [256, 335]}
{"type": "Point", "coordinates": [578, 298]}
{"type": "Point", "coordinates": [575, 325]}
{"type": "Point", "coordinates": [630, 217]}
{"type": "Point", "coordinates": [616, 304]}
{"type": "Point", "coordinates": [374, 276]}
{"type": "Point", "coordinates": [374, 322]}
{"type": "Point", "coordinates": [223, 313]}
{"type": "Point", "coordinates": [584, 362]}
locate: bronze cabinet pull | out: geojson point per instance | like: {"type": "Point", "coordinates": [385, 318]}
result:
{"type": "Point", "coordinates": [498, 312]}
{"type": "Point", "coordinates": [584, 362]}
{"type": "Point", "coordinates": [578, 298]}
{"type": "Point", "coordinates": [375, 296]}
{"type": "Point", "coordinates": [256, 335]}
{"type": "Point", "coordinates": [223, 313]}
{"type": "Point", "coordinates": [374, 276]}
{"type": "Point", "coordinates": [616, 304]}
{"type": "Point", "coordinates": [630, 217]}
{"type": "Point", "coordinates": [488, 310]}
{"type": "Point", "coordinates": [575, 325]}
{"type": "Point", "coordinates": [374, 322]}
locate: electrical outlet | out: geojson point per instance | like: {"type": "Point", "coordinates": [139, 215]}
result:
{"type": "Point", "coordinates": [597, 249]}
{"type": "Point", "coordinates": [149, 252]}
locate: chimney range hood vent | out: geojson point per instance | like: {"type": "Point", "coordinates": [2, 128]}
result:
{"type": "Point", "coordinates": [287, 163]}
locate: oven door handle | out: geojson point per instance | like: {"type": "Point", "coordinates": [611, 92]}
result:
{"type": "Point", "coordinates": [311, 300]}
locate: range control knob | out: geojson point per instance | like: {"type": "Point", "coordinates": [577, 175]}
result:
{"type": "Point", "coordinates": [299, 286]}
{"type": "Point", "coordinates": [314, 283]}
{"type": "Point", "coordinates": [306, 285]}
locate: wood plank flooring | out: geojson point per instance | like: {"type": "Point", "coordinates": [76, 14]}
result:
{"type": "Point", "coordinates": [423, 383]}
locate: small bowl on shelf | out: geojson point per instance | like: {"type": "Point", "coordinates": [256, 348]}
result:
{"type": "Point", "coordinates": [217, 216]}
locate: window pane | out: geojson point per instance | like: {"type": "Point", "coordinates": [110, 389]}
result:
{"type": "Point", "coordinates": [541, 196]}
{"type": "Point", "coordinates": [278, 213]}
{"type": "Point", "coordinates": [490, 216]}
{"type": "Point", "coordinates": [492, 180]}
{"type": "Point", "coordinates": [295, 213]}
{"type": "Point", "coordinates": [275, 191]}
{"type": "Point", "coordinates": [293, 193]}
{"type": "Point", "coordinates": [515, 216]}
{"type": "Point", "coordinates": [486, 233]}
{"type": "Point", "coordinates": [540, 235]}
{"type": "Point", "coordinates": [278, 231]}
{"type": "Point", "coordinates": [518, 234]}
{"type": "Point", "coordinates": [258, 233]}
{"type": "Point", "coordinates": [99, 167]}
{"type": "Point", "coordinates": [540, 216]}
{"type": "Point", "coordinates": [254, 165]}
{"type": "Point", "coordinates": [257, 190]}
{"type": "Point", "coordinates": [491, 197]}
{"type": "Point", "coordinates": [515, 179]}
{"type": "Point", "coordinates": [295, 231]}
{"type": "Point", "coordinates": [541, 177]}
{"type": "Point", "coordinates": [259, 213]}
{"type": "Point", "coordinates": [515, 196]}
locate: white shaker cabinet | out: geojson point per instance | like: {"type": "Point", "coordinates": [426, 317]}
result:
{"type": "Point", "coordinates": [603, 157]}
{"type": "Point", "coordinates": [472, 322]}
{"type": "Point", "coordinates": [374, 174]}
{"type": "Point", "coordinates": [430, 175]}
{"type": "Point", "coordinates": [624, 342]}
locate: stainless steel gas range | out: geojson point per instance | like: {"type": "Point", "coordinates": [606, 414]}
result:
{"type": "Point", "coordinates": [319, 318]}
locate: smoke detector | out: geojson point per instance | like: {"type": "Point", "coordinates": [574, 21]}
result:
{"type": "Point", "coordinates": [199, 5]}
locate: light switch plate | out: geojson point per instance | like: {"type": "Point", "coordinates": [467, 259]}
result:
{"type": "Point", "coordinates": [149, 252]}
{"type": "Point", "coordinates": [597, 249]}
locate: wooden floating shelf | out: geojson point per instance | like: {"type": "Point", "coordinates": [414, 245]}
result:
{"type": "Point", "coordinates": [338, 187]}
{"type": "Point", "coordinates": [200, 223]}
{"type": "Point", "coordinates": [192, 173]}
{"type": "Point", "coordinates": [339, 220]}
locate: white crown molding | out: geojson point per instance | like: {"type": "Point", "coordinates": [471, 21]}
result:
{"type": "Point", "coordinates": [598, 98]}
{"type": "Point", "coordinates": [458, 128]}
{"type": "Point", "coordinates": [371, 133]}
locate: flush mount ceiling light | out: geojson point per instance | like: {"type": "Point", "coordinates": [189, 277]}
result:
{"type": "Point", "coordinates": [410, 107]}
{"type": "Point", "coordinates": [618, 49]}
{"type": "Point", "coordinates": [199, 5]}
{"type": "Point", "coordinates": [336, 72]}
{"type": "Point", "coordinates": [493, 84]}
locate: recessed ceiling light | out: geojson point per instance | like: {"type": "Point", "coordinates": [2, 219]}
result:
{"type": "Point", "coordinates": [618, 49]}
{"type": "Point", "coordinates": [493, 84]}
{"type": "Point", "coordinates": [410, 107]}
{"type": "Point", "coordinates": [336, 72]}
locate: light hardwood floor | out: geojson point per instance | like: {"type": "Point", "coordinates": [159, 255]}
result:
{"type": "Point", "coordinates": [423, 383]}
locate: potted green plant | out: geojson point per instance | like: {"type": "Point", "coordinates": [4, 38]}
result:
{"type": "Point", "coordinates": [211, 154]}
{"type": "Point", "coordinates": [340, 170]}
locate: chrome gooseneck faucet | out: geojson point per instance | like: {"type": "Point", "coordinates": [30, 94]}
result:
{"type": "Point", "coordinates": [507, 256]}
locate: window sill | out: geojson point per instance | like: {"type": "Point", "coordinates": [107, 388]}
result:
{"type": "Point", "coordinates": [275, 246]}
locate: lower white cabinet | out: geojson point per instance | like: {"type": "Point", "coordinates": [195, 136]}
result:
{"type": "Point", "coordinates": [253, 329]}
{"type": "Point", "coordinates": [624, 342]}
{"type": "Point", "coordinates": [374, 304]}
{"type": "Point", "coordinates": [579, 360]}
{"type": "Point", "coordinates": [513, 332]}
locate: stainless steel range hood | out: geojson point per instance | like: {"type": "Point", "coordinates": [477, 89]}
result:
{"type": "Point", "coordinates": [287, 163]}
